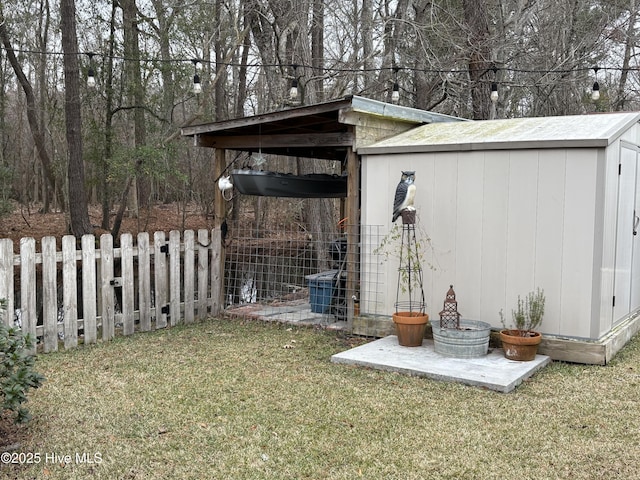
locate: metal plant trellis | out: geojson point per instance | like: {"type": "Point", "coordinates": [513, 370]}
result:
{"type": "Point", "coordinates": [449, 316]}
{"type": "Point", "coordinates": [410, 286]}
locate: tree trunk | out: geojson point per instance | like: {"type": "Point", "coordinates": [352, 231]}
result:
{"type": "Point", "coordinates": [366, 20]}
{"type": "Point", "coordinates": [42, 39]}
{"type": "Point", "coordinates": [139, 195]}
{"type": "Point", "coordinates": [317, 48]}
{"type": "Point", "coordinates": [477, 22]}
{"type": "Point", "coordinates": [108, 126]}
{"type": "Point", "coordinates": [629, 46]}
{"type": "Point", "coordinates": [80, 224]}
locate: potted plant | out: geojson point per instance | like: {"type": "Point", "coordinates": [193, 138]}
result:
{"type": "Point", "coordinates": [521, 341]}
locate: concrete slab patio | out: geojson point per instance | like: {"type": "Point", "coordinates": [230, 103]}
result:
{"type": "Point", "coordinates": [492, 371]}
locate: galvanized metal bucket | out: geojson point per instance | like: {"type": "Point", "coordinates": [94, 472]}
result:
{"type": "Point", "coordinates": [471, 340]}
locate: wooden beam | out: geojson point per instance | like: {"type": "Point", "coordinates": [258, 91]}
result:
{"type": "Point", "coordinates": [218, 253]}
{"type": "Point", "coordinates": [353, 230]}
{"type": "Point", "coordinates": [276, 141]}
{"type": "Point", "coordinates": [279, 116]}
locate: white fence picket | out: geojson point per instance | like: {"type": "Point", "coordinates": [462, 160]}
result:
{"type": "Point", "coordinates": [106, 284]}
{"type": "Point", "coordinates": [174, 277]}
{"type": "Point", "coordinates": [189, 276]}
{"type": "Point", "coordinates": [49, 294]}
{"type": "Point", "coordinates": [144, 281]}
{"type": "Point", "coordinates": [28, 313]}
{"type": "Point", "coordinates": [70, 291]}
{"type": "Point", "coordinates": [89, 301]}
{"type": "Point", "coordinates": [160, 274]}
{"type": "Point", "coordinates": [6, 279]}
{"type": "Point", "coordinates": [126, 254]}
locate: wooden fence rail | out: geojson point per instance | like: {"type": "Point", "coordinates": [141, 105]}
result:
{"type": "Point", "coordinates": [75, 296]}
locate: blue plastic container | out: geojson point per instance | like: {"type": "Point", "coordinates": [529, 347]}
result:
{"type": "Point", "coordinates": [321, 287]}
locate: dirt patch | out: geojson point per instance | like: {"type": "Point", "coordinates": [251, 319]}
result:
{"type": "Point", "coordinates": [11, 435]}
{"type": "Point", "coordinates": [31, 222]}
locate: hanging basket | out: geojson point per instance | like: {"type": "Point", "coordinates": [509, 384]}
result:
{"type": "Point", "coordinates": [410, 327]}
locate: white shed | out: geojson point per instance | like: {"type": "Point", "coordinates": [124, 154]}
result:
{"type": "Point", "coordinates": [511, 205]}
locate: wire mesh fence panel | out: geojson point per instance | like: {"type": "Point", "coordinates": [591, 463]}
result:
{"type": "Point", "coordinates": [292, 276]}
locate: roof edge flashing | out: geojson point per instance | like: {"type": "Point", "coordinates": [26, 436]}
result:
{"type": "Point", "coordinates": [399, 112]}
{"type": "Point", "coordinates": [479, 146]}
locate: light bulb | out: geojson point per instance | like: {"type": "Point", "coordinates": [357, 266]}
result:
{"type": "Point", "coordinates": [494, 92]}
{"type": "Point", "coordinates": [197, 86]}
{"type": "Point", "coordinates": [293, 91]}
{"type": "Point", "coordinates": [595, 92]}
{"type": "Point", "coordinates": [395, 93]}
{"type": "Point", "coordinates": [91, 78]}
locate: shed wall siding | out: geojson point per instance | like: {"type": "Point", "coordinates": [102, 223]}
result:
{"type": "Point", "coordinates": [501, 223]}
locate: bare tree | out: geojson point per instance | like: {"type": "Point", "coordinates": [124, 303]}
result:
{"type": "Point", "coordinates": [32, 116]}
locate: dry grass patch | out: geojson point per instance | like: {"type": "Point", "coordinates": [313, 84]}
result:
{"type": "Point", "coordinates": [224, 399]}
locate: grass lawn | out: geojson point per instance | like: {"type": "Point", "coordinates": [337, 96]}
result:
{"type": "Point", "coordinates": [224, 399]}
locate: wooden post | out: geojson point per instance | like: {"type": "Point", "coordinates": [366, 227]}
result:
{"type": "Point", "coordinates": [353, 230]}
{"type": "Point", "coordinates": [218, 254]}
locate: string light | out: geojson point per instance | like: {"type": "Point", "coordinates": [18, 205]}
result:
{"type": "Point", "coordinates": [595, 91]}
{"type": "Point", "coordinates": [91, 75]}
{"type": "Point", "coordinates": [293, 91]}
{"type": "Point", "coordinates": [494, 92]}
{"type": "Point", "coordinates": [395, 92]}
{"type": "Point", "coordinates": [494, 85]}
{"type": "Point", "coordinates": [197, 86]}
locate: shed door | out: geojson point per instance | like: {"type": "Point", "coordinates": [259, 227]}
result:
{"type": "Point", "coordinates": [626, 299]}
{"type": "Point", "coordinates": [635, 269]}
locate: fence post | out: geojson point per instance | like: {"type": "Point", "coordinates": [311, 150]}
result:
{"type": "Point", "coordinates": [217, 271]}
{"type": "Point", "coordinates": [203, 274]}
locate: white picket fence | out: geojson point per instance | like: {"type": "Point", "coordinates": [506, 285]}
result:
{"type": "Point", "coordinates": [121, 290]}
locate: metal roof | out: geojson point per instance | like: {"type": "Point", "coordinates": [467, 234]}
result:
{"type": "Point", "coordinates": [595, 130]}
{"type": "Point", "coordinates": [322, 130]}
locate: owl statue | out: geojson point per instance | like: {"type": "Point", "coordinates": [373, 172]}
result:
{"type": "Point", "coordinates": [405, 194]}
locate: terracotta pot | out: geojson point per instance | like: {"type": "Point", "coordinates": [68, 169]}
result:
{"type": "Point", "coordinates": [517, 347]}
{"type": "Point", "coordinates": [410, 327]}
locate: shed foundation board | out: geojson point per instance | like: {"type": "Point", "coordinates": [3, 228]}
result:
{"type": "Point", "coordinates": [492, 371]}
